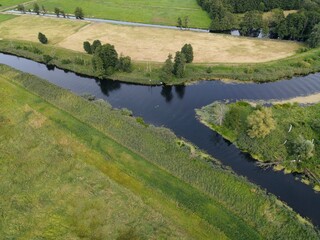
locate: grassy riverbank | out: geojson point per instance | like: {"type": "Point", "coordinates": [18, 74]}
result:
{"type": "Point", "coordinates": [150, 162]}
{"type": "Point", "coordinates": [279, 148]}
{"type": "Point", "coordinates": [148, 73]}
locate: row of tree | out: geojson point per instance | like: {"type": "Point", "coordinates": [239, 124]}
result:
{"type": "Point", "coordinates": [105, 58]}
{"type": "Point", "coordinates": [177, 67]}
{"type": "Point", "coordinates": [78, 13]}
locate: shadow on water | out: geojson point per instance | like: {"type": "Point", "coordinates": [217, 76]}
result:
{"type": "Point", "coordinates": [174, 107]}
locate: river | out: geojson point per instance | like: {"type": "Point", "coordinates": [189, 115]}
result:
{"type": "Point", "coordinates": [174, 107]}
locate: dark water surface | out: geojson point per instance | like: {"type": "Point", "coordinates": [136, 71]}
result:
{"type": "Point", "coordinates": [174, 108]}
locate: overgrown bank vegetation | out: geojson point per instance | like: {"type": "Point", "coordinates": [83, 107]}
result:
{"type": "Point", "coordinates": [150, 73]}
{"type": "Point", "coordinates": [163, 166]}
{"type": "Point", "coordinates": [285, 136]}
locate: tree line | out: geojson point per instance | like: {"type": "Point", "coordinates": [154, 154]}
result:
{"type": "Point", "coordinates": [78, 12]}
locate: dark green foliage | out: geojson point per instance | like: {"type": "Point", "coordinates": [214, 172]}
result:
{"type": "Point", "coordinates": [36, 8]}
{"type": "Point", "coordinates": [251, 23]}
{"type": "Point", "coordinates": [124, 64]}
{"type": "Point", "coordinates": [66, 61]}
{"type": "Point", "coordinates": [78, 13]}
{"type": "Point", "coordinates": [186, 22]}
{"type": "Point", "coordinates": [47, 59]}
{"type": "Point", "coordinates": [187, 50]}
{"type": "Point", "coordinates": [44, 11]}
{"type": "Point", "coordinates": [42, 38]}
{"type": "Point", "coordinates": [106, 59]}
{"type": "Point", "coordinates": [87, 47]}
{"type": "Point", "coordinates": [57, 11]}
{"type": "Point", "coordinates": [167, 69]}
{"type": "Point", "coordinates": [179, 22]}
{"type": "Point", "coordinates": [179, 65]}
{"type": "Point", "coordinates": [95, 45]}
{"type": "Point", "coordinates": [303, 149]}
{"type": "Point", "coordinates": [21, 8]}
{"type": "Point", "coordinates": [314, 40]}
{"type": "Point", "coordinates": [79, 61]}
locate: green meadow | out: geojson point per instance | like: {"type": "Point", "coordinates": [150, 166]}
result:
{"type": "Point", "coordinates": [164, 12]}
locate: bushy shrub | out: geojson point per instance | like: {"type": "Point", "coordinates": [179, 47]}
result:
{"type": "Point", "coordinates": [42, 38]}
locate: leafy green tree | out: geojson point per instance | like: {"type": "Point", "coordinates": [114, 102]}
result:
{"type": "Point", "coordinates": [57, 11]}
{"type": "Point", "coordinates": [179, 22]}
{"type": "Point", "coordinates": [186, 22]}
{"type": "Point", "coordinates": [36, 8]}
{"type": "Point", "coordinates": [42, 38]}
{"type": "Point", "coordinates": [63, 13]}
{"type": "Point", "coordinates": [221, 23]}
{"type": "Point", "coordinates": [44, 10]}
{"type": "Point", "coordinates": [303, 149]}
{"type": "Point", "coordinates": [314, 39]}
{"type": "Point", "coordinates": [252, 22]}
{"type": "Point", "coordinates": [187, 50]}
{"type": "Point", "coordinates": [21, 8]}
{"type": "Point", "coordinates": [124, 64]}
{"type": "Point", "coordinates": [87, 47]}
{"type": "Point", "coordinates": [106, 58]}
{"type": "Point", "coordinates": [79, 13]}
{"type": "Point", "coordinates": [167, 69]}
{"type": "Point", "coordinates": [95, 45]}
{"type": "Point", "coordinates": [260, 123]}
{"type": "Point", "coordinates": [179, 65]}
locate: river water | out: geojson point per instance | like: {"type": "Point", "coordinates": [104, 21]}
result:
{"type": "Point", "coordinates": [174, 107]}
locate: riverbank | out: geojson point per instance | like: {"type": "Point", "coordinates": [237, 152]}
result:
{"type": "Point", "coordinates": [278, 148]}
{"type": "Point", "coordinates": [222, 186]}
{"type": "Point", "coordinates": [148, 73]}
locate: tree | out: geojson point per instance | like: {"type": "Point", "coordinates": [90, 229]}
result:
{"type": "Point", "coordinates": [21, 8]}
{"type": "Point", "coordinates": [167, 69]}
{"type": "Point", "coordinates": [260, 123]}
{"type": "Point", "coordinates": [179, 65]}
{"type": "Point", "coordinates": [179, 23]}
{"type": "Point", "coordinates": [36, 8]}
{"type": "Point", "coordinates": [44, 11]}
{"type": "Point", "coordinates": [79, 13]}
{"type": "Point", "coordinates": [252, 23]}
{"type": "Point", "coordinates": [57, 11]}
{"type": "Point", "coordinates": [63, 13]}
{"type": "Point", "coordinates": [124, 64]}
{"type": "Point", "coordinates": [187, 50]}
{"type": "Point", "coordinates": [105, 58]}
{"type": "Point", "coordinates": [42, 38]}
{"type": "Point", "coordinates": [95, 45]}
{"type": "Point", "coordinates": [303, 148]}
{"type": "Point", "coordinates": [219, 112]}
{"type": "Point", "coordinates": [314, 39]}
{"type": "Point", "coordinates": [186, 22]}
{"type": "Point", "coordinates": [87, 47]}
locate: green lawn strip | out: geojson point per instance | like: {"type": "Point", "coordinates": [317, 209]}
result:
{"type": "Point", "coordinates": [158, 145]}
{"type": "Point", "coordinates": [5, 17]}
{"type": "Point", "coordinates": [151, 176]}
{"type": "Point", "coordinates": [299, 64]}
{"type": "Point", "coordinates": [8, 4]}
{"type": "Point", "coordinates": [48, 191]}
{"type": "Point", "coordinates": [165, 12]}
{"type": "Point", "coordinates": [277, 146]}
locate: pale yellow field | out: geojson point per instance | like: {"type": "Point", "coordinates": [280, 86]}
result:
{"type": "Point", "coordinates": [148, 44]}
{"type": "Point", "coordinates": [27, 28]}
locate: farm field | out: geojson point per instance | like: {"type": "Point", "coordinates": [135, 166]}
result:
{"type": "Point", "coordinates": [11, 3]}
{"type": "Point", "coordinates": [88, 146]}
{"type": "Point", "coordinates": [164, 12]}
{"type": "Point", "coordinates": [148, 44]}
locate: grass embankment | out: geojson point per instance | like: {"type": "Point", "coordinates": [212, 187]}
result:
{"type": "Point", "coordinates": [278, 148]}
{"type": "Point", "coordinates": [153, 164]}
{"type": "Point", "coordinates": [6, 4]}
{"type": "Point", "coordinates": [164, 12]}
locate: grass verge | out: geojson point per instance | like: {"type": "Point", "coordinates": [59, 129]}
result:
{"type": "Point", "coordinates": [164, 167]}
